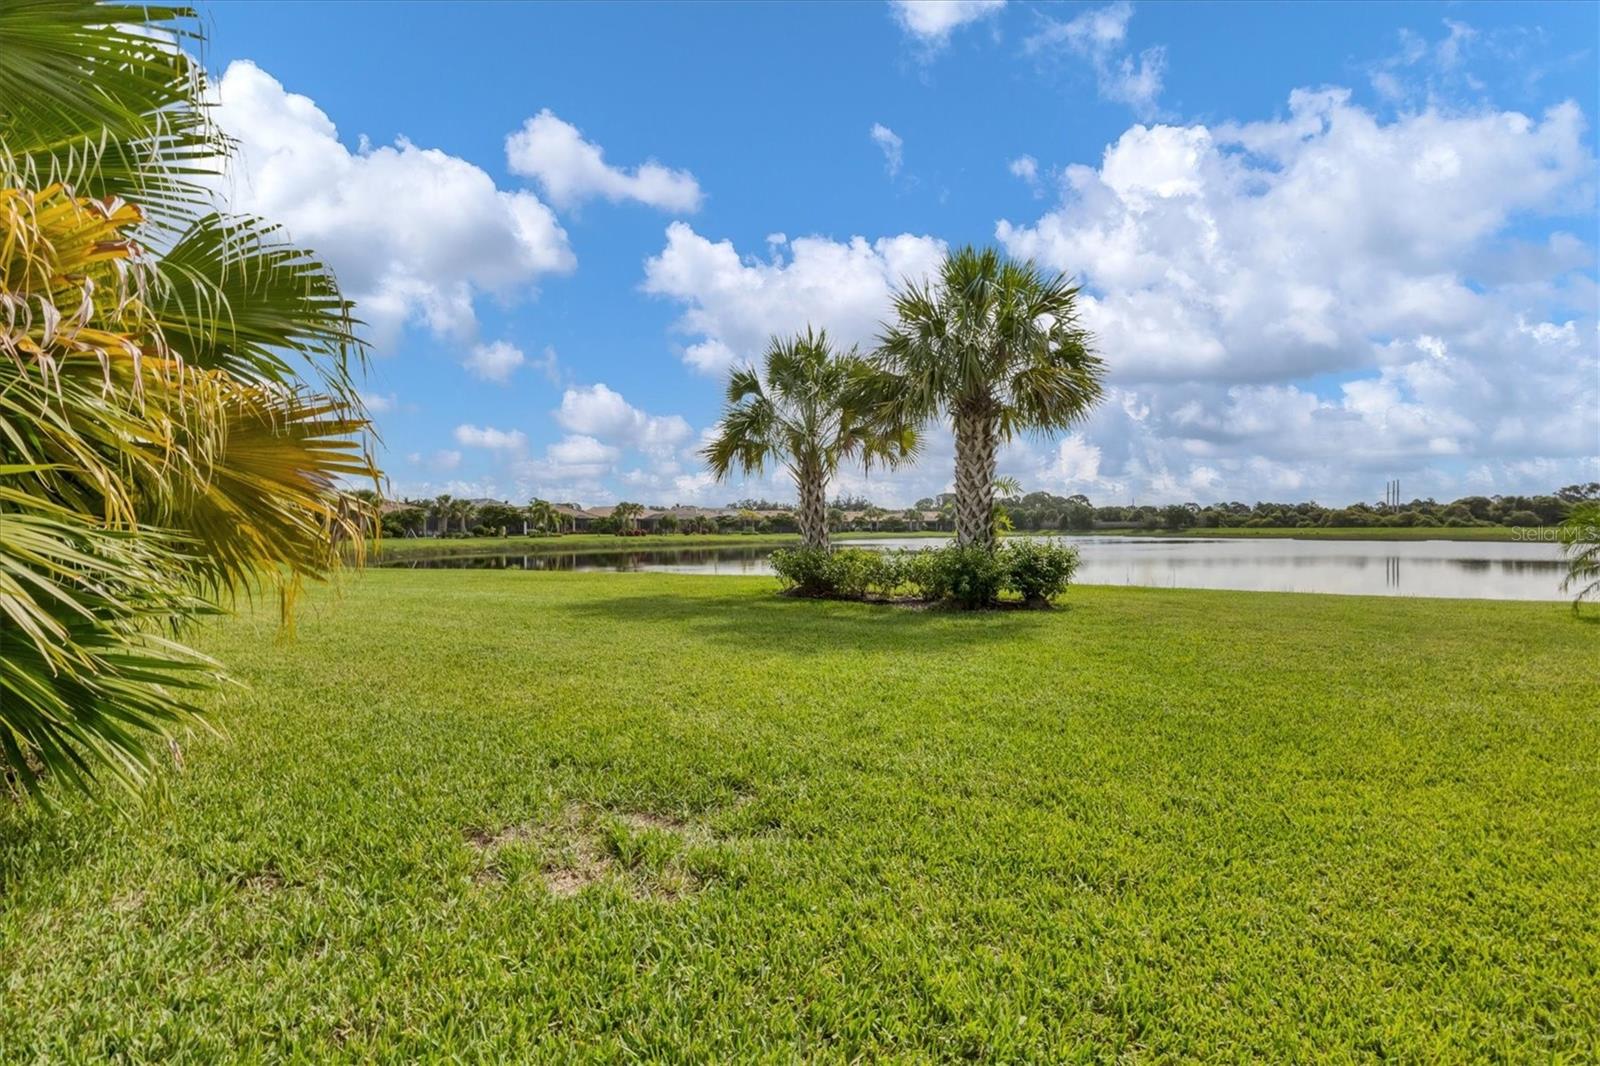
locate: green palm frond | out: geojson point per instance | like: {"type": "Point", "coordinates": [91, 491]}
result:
{"type": "Point", "coordinates": [1580, 543]}
{"type": "Point", "coordinates": [991, 335]}
{"type": "Point", "coordinates": [178, 412]}
{"type": "Point", "coordinates": [103, 98]}
{"type": "Point", "coordinates": [236, 297]}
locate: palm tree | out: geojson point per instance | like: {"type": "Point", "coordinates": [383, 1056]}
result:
{"type": "Point", "coordinates": [1580, 541]}
{"type": "Point", "coordinates": [177, 392]}
{"type": "Point", "coordinates": [913, 519]}
{"type": "Point", "coordinates": [462, 511]}
{"type": "Point", "coordinates": [995, 346]}
{"type": "Point", "coordinates": [625, 513]}
{"type": "Point", "coordinates": [811, 409]}
{"type": "Point", "coordinates": [543, 516]}
{"type": "Point", "coordinates": [442, 507]}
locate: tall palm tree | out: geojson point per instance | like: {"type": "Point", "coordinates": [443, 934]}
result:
{"type": "Point", "coordinates": [178, 406]}
{"type": "Point", "coordinates": [543, 516]}
{"type": "Point", "coordinates": [462, 511]}
{"type": "Point", "coordinates": [812, 409]}
{"type": "Point", "coordinates": [994, 345]}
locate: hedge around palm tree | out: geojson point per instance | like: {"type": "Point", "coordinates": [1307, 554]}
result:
{"type": "Point", "coordinates": [177, 392]}
{"type": "Point", "coordinates": [994, 345]}
{"type": "Point", "coordinates": [811, 409]}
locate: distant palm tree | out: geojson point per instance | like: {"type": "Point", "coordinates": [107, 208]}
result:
{"type": "Point", "coordinates": [994, 345]}
{"type": "Point", "coordinates": [835, 519]}
{"type": "Point", "coordinates": [442, 507]}
{"type": "Point", "coordinates": [625, 513]}
{"type": "Point", "coordinates": [811, 409]}
{"type": "Point", "coordinates": [913, 519]}
{"type": "Point", "coordinates": [462, 511]}
{"type": "Point", "coordinates": [543, 516]}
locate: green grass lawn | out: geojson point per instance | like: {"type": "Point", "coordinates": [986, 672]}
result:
{"type": "Point", "coordinates": [505, 815]}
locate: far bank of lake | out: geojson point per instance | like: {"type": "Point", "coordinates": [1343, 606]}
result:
{"type": "Point", "coordinates": [1496, 570]}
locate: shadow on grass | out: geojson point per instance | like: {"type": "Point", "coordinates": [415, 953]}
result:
{"type": "Point", "coordinates": [806, 626]}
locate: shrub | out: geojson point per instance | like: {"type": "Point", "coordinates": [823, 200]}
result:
{"type": "Point", "coordinates": [1038, 570]}
{"type": "Point", "coordinates": [849, 572]}
{"type": "Point", "coordinates": [924, 571]}
{"type": "Point", "coordinates": [971, 577]}
{"type": "Point", "coordinates": [802, 570]}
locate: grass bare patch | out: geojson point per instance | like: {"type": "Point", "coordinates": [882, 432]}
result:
{"type": "Point", "coordinates": [647, 855]}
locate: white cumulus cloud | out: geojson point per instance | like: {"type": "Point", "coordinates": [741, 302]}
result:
{"type": "Point", "coordinates": [572, 170]}
{"type": "Point", "coordinates": [733, 305]}
{"type": "Point", "coordinates": [415, 234]}
{"type": "Point", "coordinates": [1329, 299]}
{"type": "Point", "coordinates": [600, 412]}
{"type": "Point", "coordinates": [494, 362]}
{"type": "Point", "coordinates": [488, 437]}
{"type": "Point", "coordinates": [930, 22]}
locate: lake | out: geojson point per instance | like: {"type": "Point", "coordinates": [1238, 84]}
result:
{"type": "Point", "coordinates": [1512, 570]}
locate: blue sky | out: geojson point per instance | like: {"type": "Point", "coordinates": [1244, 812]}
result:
{"type": "Point", "coordinates": [1324, 245]}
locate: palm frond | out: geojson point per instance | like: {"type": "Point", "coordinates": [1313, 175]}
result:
{"type": "Point", "coordinates": [171, 429]}
{"type": "Point", "coordinates": [235, 297]}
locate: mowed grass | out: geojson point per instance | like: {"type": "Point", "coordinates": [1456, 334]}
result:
{"type": "Point", "coordinates": [504, 815]}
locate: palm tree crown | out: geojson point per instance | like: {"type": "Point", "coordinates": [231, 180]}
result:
{"type": "Point", "coordinates": [994, 345]}
{"type": "Point", "coordinates": [811, 409]}
{"type": "Point", "coordinates": [542, 516]}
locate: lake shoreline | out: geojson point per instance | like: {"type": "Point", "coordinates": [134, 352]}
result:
{"type": "Point", "coordinates": [599, 542]}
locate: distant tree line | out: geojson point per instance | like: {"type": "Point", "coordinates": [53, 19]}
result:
{"type": "Point", "coordinates": [1030, 512]}
{"type": "Point", "coordinates": [1046, 511]}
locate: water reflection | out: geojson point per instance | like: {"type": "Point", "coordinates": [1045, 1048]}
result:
{"type": "Point", "coordinates": [1481, 570]}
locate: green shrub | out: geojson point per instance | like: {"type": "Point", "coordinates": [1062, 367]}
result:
{"type": "Point", "coordinates": [1038, 570]}
{"type": "Point", "coordinates": [924, 572]}
{"type": "Point", "coordinates": [803, 570]}
{"type": "Point", "coordinates": [968, 577]}
{"type": "Point", "coordinates": [846, 573]}
{"type": "Point", "coordinates": [890, 574]}
{"type": "Point", "coordinates": [851, 571]}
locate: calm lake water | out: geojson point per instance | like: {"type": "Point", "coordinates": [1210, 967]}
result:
{"type": "Point", "coordinates": [1461, 569]}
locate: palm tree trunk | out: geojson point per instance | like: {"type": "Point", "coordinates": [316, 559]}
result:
{"type": "Point", "coordinates": [813, 517]}
{"type": "Point", "coordinates": [975, 466]}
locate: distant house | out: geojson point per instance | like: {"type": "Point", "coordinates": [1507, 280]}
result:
{"type": "Point", "coordinates": [574, 519]}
